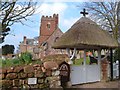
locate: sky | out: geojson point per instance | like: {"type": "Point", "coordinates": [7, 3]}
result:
{"type": "Point", "coordinates": [68, 13]}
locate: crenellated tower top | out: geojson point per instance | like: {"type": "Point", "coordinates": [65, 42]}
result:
{"type": "Point", "coordinates": [48, 24]}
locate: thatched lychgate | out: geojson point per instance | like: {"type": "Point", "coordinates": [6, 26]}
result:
{"type": "Point", "coordinates": [85, 34]}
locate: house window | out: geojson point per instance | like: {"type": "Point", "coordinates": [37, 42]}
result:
{"type": "Point", "coordinates": [48, 25]}
{"type": "Point", "coordinates": [44, 46]}
{"type": "Point", "coordinates": [56, 39]}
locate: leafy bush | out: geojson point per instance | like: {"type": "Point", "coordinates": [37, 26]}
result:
{"type": "Point", "coordinates": [1, 63]}
{"type": "Point", "coordinates": [16, 61]}
{"type": "Point", "coordinates": [26, 57]}
{"type": "Point", "coordinates": [117, 54]}
{"type": "Point", "coordinates": [10, 62]}
{"type": "Point", "coordinates": [6, 62]}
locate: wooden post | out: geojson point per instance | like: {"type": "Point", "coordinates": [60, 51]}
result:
{"type": "Point", "coordinates": [99, 61]}
{"type": "Point", "coordinates": [111, 63]}
{"type": "Point", "coordinates": [119, 69]}
{"type": "Point", "coordinates": [84, 64]}
{"type": "Point", "coordinates": [99, 56]}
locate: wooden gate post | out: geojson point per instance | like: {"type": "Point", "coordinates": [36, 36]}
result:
{"type": "Point", "coordinates": [111, 64]}
{"type": "Point", "coordinates": [84, 63]}
{"type": "Point", "coordinates": [99, 60]}
{"type": "Point", "coordinates": [119, 68]}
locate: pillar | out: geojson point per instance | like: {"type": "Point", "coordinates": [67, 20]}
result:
{"type": "Point", "coordinates": [84, 64]}
{"type": "Point", "coordinates": [99, 61]}
{"type": "Point", "coordinates": [111, 64]}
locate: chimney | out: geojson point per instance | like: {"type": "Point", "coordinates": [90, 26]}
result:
{"type": "Point", "coordinates": [25, 40]}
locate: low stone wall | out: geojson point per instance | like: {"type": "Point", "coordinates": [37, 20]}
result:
{"type": "Point", "coordinates": [19, 77]}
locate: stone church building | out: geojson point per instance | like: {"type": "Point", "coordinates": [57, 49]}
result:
{"type": "Point", "coordinates": [49, 33]}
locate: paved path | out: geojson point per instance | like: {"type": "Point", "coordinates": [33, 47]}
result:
{"type": "Point", "coordinates": [110, 84]}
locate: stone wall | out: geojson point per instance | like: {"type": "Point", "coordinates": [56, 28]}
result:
{"type": "Point", "coordinates": [19, 77]}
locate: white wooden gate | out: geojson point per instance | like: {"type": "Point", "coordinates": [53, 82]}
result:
{"type": "Point", "coordinates": [116, 70]}
{"type": "Point", "coordinates": [84, 74]}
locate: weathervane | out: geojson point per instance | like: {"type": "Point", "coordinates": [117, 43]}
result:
{"type": "Point", "coordinates": [84, 12]}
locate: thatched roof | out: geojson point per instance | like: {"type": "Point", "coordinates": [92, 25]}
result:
{"type": "Point", "coordinates": [85, 34]}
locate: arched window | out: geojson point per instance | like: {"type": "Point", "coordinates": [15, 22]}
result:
{"type": "Point", "coordinates": [45, 46]}
{"type": "Point", "coordinates": [44, 43]}
{"type": "Point", "coordinates": [56, 39]}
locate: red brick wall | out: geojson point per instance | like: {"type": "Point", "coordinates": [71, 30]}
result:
{"type": "Point", "coordinates": [44, 31]}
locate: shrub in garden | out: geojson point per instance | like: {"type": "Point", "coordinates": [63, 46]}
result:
{"type": "Point", "coordinates": [117, 54]}
{"type": "Point", "coordinates": [26, 57]}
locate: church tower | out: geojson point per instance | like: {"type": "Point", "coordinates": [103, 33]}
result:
{"type": "Point", "coordinates": [47, 27]}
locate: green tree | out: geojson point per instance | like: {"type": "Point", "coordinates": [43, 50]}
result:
{"type": "Point", "coordinates": [14, 11]}
{"type": "Point", "coordinates": [105, 14]}
{"type": "Point", "coordinates": [117, 54]}
{"type": "Point", "coordinates": [7, 49]}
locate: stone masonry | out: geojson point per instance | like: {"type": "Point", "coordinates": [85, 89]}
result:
{"type": "Point", "coordinates": [18, 77]}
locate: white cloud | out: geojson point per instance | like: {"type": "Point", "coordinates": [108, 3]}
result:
{"type": "Point", "coordinates": [51, 8]}
{"type": "Point", "coordinates": [66, 20]}
{"type": "Point", "coordinates": [68, 0]}
{"type": "Point", "coordinates": [67, 23]}
{"type": "Point", "coordinates": [48, 9]}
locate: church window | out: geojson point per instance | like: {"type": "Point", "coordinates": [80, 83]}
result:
{"type": "Point", "coordinates": [45, 46]}
{"type": "Point", "coordinates": [56, 39]}
{"type": "Point", "coordinates": [48, 25]}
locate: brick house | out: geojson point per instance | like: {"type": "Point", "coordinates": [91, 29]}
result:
{"type": "Point", "coordinates": [29, 45]}
{"type": "Point", "coordinates": [49, 33]}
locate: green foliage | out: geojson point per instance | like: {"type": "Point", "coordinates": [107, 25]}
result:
{"type": "Point", "coordinates": [23, 59]}
{"type": "Point", "coordinates": [81, 60]}
{"type": "Point", "coordinates": [10, 14]}
{"type": "Point", "coordinates": [16, 61]}
{"type": "Point", "coordinates": [26, 57]}
{"type": "Point", "coordinates": [117, 54]}
{"type": "Point", "coordinates": [37, 62]}
{"type": "Point", "coordinates": [10, 62]}
{"type": "Point", "coordinates": [7, 49]}
{"type": "Point", "coordinates": [0, 63]}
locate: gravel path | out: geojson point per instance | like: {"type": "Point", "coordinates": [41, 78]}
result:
{"type": "Point", "coordinates": [110, 84]}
